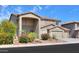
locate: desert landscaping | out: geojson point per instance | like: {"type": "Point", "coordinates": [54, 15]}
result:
{"type": "Point", "coordinates": [8, 37]}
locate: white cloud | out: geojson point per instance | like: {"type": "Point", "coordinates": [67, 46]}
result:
{"type": "Point", "coordinates": [18, 9]}
{"type": "Point", "coordinates": [36, 8]}
{"type": "Point", "coordinates": [39, 7]}
{"type": "Point", "coordinates": [8, 14]}
{"type": "Point", "coordinates": [4, 15]}
{"type": "Point", "coordinates": [3, 7]}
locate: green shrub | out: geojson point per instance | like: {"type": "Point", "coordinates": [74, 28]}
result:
{"type": "Point", "coordinates": [8, 27]}
{"type": "Point", "coordinates": [27, 37]}
{"type": "Point", "coordinates": [3, 37]}
{"type": "Point", "coordinates": [23, 39]}
{"type": "Point", "coordinates": [10, 39]}
{"type": "Point", "coordinates": [7, 32]}
{"type": "Point", "coordinates": [32, 36]}
{"type": "Point", "coordinates": [45, 36]}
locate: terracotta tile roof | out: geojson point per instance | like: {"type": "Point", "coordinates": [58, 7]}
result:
{"type": "Point", "coordinates": [42, 17]}
{"type": "Point", "coordinates": [24, 14]}
{"type": "Point", "coordinates": [47, 25]}
{"type": "Point", "coordinates": [65, 29]}
{"type": "Point", "coordinates": [46, 18]}
{"type": "Point", "coordinates": [70, 23]}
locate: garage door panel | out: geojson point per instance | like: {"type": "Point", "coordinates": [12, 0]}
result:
{"type": "Point", "coordinates": [57, 34]}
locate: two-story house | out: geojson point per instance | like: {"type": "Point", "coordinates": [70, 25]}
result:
{"type": "Point", "coordinates": [74, 29]}
{"type": "Point", "coordinates": [31, 22]}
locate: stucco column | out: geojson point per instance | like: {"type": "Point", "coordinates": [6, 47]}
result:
{"type": "Point", "coordinates": [20, 26]}
{"type": "Point", "coordinates": [39, 29]}
{"type": "Point", "coordinates": [75, 26]}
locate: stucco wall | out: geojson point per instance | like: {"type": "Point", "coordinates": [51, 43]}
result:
{"type": "Point", "coordinates": [13, 19]}
{"type": "Point", "coordinates": [44, 30]}
{"type": "Point", "coordinates": [29, 15]}
{"type": "Point", "coordinates": [46, 22]}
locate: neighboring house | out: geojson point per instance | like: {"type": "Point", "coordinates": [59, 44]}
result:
{"type": "Point", "coordinates": [74, 29]}
{"type": "Point", "coordinates": [31, 22]}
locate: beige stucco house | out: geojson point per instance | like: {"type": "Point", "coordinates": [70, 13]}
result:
{"type": "Point", "coordinates": [74, 29]}
{"type": "Point", "coordinates": [32, 22]}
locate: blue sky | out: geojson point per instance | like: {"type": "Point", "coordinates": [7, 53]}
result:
{"type": "Point", "coordinates": [65, 13]}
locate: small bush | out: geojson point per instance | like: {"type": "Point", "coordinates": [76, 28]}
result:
{"type": "Point", "coordinates": [45, 36]}
{"type": "Point", "coordinates": [5, 38]}
{"type": "Point", "coordinates": [27, 37]}
{"type": "Point", "coordinates": [32, 36]}
{"type": "Point", "coordinates": [23, 38]}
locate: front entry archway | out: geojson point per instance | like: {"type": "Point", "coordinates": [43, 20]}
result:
{"type": "Point", "coordinates": [30, 25]}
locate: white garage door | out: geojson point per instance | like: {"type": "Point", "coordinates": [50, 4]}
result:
{"type": "Point", "coordinates": [57, 34]}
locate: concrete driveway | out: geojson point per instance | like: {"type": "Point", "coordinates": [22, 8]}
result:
{"type": "Point", "coordinates": [70, 39]}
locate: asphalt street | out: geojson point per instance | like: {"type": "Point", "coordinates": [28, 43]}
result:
{"type": "Point", "coordinates": [65, 48]}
